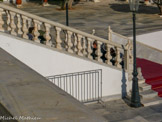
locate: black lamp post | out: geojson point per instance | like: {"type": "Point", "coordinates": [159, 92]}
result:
{"type": "Point", "coordinates": [135, 98]}
{"type": "Point", "coordinates": [67, 15]}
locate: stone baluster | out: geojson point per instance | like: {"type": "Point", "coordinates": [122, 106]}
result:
{"type": "Point", "coordinates": [35, 31]}
{"type": "Point", "coordinates": [75, 43]}
{"type": "Point", "coordinates": [19, 25]}
{"type": "Point", "coordinates": [69, 43]}
{"type": "Point", "coordinates": [140, 76]}
{"type": "Point", "coordinates": [79, 45]}
{"type": "Point", "coordinates": [89, 48]}
{"type": "Point", "coordinates": [84, 47]}
{"type": "Point", "coordinates": [8, 21]}
{"type": "Point", "coordinates": [66, 40]}
{"type": "Point", "coordinates": [1, 20]}
{"type": "Point", "coordinates": [47, 34]}
{"type": "Point", "coordinates": [118, 58]}
{"type": "Point", "coordinates": [12, 23]}
{"type": "Point", "coordinates": [108, 54]}
{"type": "Point", "coordinates": [126, 59]}
{"type": "Point", "coordinates": [98, 52]}
{"type": "Point", "coordinates": [29, 21]}
{"type": "Point", "coordinates": [39, 25]}
{"type": "Point", "coordinates": [24, 27]}
{"type": "Point", "coordinates": [109, 34]}
{"type": "Point", "coordinates": [58, 38]}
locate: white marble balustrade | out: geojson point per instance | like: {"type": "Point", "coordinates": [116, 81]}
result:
{"type": "Point", "coordinates": [18, 23]}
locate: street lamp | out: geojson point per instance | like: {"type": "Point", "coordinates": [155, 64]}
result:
{"type": "Point", "coordinates": [135, 98]}
{"type": "Point", "coordinates": [67, 15]}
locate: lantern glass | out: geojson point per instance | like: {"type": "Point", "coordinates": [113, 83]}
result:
{"type": "Point", "coordinates": [134, 5]}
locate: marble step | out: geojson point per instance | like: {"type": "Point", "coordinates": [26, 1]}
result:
{"type": "Point", "coordinates": [144, 87]}
{"type": "Point", "coordinates": [146, 102]}
{"type": "Point", "coordinates": [153, 101]}
{"type": "Point", "coordinates": [148, 94]}
{"type": "Point", "coordinates": [141, 81]}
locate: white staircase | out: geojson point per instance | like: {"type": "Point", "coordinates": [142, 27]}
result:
{"type": "Point", "coordinates": [148, 96]}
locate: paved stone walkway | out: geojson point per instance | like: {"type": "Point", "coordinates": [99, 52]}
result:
{"type": "Point", "coordinates": [119, 111]}
{"type": "Point", "coordinates": [87, 16]}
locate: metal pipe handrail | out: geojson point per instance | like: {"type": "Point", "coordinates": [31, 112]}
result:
{"type": "Point", "coordinates": [75, 73]}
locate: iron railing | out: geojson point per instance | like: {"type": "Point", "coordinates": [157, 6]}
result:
{"type": "Point", "coordinates": [85, 86]}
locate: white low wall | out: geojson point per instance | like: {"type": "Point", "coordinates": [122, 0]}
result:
{"type": "Point", "coordinates": [48, 62]}
{"type": "Point", "coordinates": [151, 39]}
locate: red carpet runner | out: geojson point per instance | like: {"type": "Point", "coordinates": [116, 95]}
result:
{"type": "Point", "coordinates": [152, 72]}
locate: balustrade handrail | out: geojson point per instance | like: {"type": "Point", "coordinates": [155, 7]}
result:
{"type": "Point", "coordinates": [127, 38]}
{"type": "Point", "coordinates": [32, 16]}
{"type": "Point", "coordinates": [120, 35]}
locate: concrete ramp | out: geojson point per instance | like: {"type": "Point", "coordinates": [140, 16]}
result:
{"type": "Point", "coordinates": [28, 96]}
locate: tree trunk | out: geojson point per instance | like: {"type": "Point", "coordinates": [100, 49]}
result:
{"type": "Point", "coordinates": [63, 4]}
{"type": "Point", "coordinates": [70, 3]}
{"type": "Point", "coordinates": [160, 9]}
{"type": "Point", "coordinates": [159, 5]}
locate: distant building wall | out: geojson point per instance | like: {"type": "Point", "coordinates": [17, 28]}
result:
{"type": "Point", "coordinates": [49, 62]}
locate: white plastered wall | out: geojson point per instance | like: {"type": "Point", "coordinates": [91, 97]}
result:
{"type": "Point", "coordinates": [49, 62]}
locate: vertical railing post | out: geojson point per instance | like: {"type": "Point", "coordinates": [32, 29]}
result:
{"type": "Point", "coordinates": [67, 15]}
{"type": "Point", "coordinates": [89, 48]}
{"type": "Point", "coordinates": [75, 42]}
{"type": "Point", "coordinates": [58, 38]}
{"type": "Point", "coordinates": [12, 23]}
{"type": "Point", "coordinates": [1, 20]}
{"type": "Point", "coordinates": [109, 34]}
{"type": "Point", "coordinates": [19, 25]}
{"type": "Point", "coordinates": [108, 55]}
{"type": "Point", "coordinates": [47, 34]}
{"type": "Point", "coordinates": [79, 45]}
{"type": "Point", "coordinates": [98, 52]}
{"type": "Point", "coordinates": [8, 21]}
{"type": "Point", "coordinates": [101, 84]}
{"type": "Point", "coordinates": [35, 31]}
{"type": "Point", "coordinates": [69, 43]}
{"type": "Point", "coordinates": [84, 47]}
{"type": "Point", "coordinates": [126, 59]}
{"type": "Point", "coordinates": [118, 58]}
{"type": "Point", "coordinates": [24, 27]}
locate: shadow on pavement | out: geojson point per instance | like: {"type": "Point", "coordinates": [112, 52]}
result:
{"type": "Point", "coordinates": [142, 8]}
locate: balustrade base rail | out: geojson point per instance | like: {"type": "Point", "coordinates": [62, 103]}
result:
{"type": "Point", "coordinates": [85, 86]}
